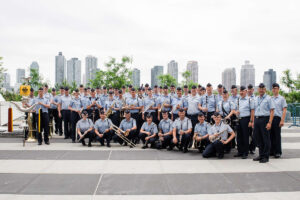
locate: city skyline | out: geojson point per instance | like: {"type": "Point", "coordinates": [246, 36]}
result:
{"type": "Point", "coordinates": [93, 28]}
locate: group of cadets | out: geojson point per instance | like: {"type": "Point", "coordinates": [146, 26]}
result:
{"type": "Point", "coordinates": [163, 118]}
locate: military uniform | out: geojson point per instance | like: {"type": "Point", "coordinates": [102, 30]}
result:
{"type": "Point", "coordinates": [54, 113]}
{"type": "Point", "coordinates": [263, 106]}
{"type": "Point", "coordinates": [102, 127]}
{"type": "Point", "coordinates": [165, 126]}
{"type": "Point", "coordinates": [177, 101]}
{"type": "Point", "coordinates": [193, 110]}
{"type": "Point", "coordinates": [125, 125]}
{"type": "Point", "coordinates": [201, 130]}
{"type": "Point", "coordinates": [152, 128]}
{"type": "Point", "coordinates": [66, 114]}
{"type": "Point", "coordinates": [84, 125]}
{"type": "Point", "coordinates": [209, 102]}
{"type": "Point", "coordinates": [75, 117]}
{"type": "Point", "coordinates": [184, 125]}
{"type": "Point", "coordinates": [148, 101]}
{"type": "Point", "coordinates": [137, 102]}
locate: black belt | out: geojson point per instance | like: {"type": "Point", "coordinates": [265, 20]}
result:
{"type": "Point", "coordinates": [261, 117]}
{"type": "Point", "coordinates": [244, 117]}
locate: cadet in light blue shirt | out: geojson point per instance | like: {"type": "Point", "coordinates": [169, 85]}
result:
{"type": "Point", "coordinates": [234, 96]}
{"type": "Point", "coordinates": [219, 96]}
{"type": "Point", "coordinates": [103, 129]}
{"type": "Point", "coordinates": [208, 103]}
{"type": "Point", "coordinates": [165, 130]}
{"type": "Point", "coordinates": [278, 121]}
{"type": "Point", "coordinates": [226, 108]}
{"type": "Point", "coordinates": [165, 100]}
{"type": "Point", "coordinates": [177, 103]}
{"type": "Point", "coordinates": [134, 103]}
{"type": "Point", "coordinates": [85, 100]}
{"type": "Point", "coordinates": [264, 113]}
{"type": "Point", "coordinates": [148, 133]}
{"type": "Point", "coordinates": [201, 133]}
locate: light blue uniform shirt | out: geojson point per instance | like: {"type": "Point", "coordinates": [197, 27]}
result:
{"type": "Point", "coordinates": [192, 104]}
{"type": "Point", "coordinates": [109, 103]}
{"type": "Point", "coordinates": [234, 99]}
{"type": "Point", "coordinates": [245, 105]}
{"type": "Point", "coordinates": [84, 125]}
{"type": "Point", "coordinates": [280, 103]}
{"type": "Point", "coordinates": [152, 128]}
{"type": "Point", "coordinates": [202, 129]}
{"type": "Point", "coordinates": [147, 102]}
{"type": "Point", "coordinates": [184, 124]}
{"type": "Point", "coordinates": [178, 101]}
{"type": "Point", "coordinates": [42, 100]}
{"type": "Point", "coordinates": [219, 128]}
{"type": "Point", "coordinates": [137, 102]}
{"type": "Point", "coordinates": [127, 124]}
{"type": "Point", "coordinates": [76, 103]}
{"type": "Point", "coordinates": [219, 98]}
{"type": "Point", "coordinates": [56, 100]}
{"type": "Point", "coordinates": [85, 101]}
{"type": "Point", "coordinates": [263, 105]}
{"type": "Point", "coordinates": [165, 125]}
{"type": "Point", "coordinates": [65, 102]}
{"type": "Point", "coordinates": [104, 97]}
{"type": "Point", "coordinates": [47, 96]}
{"type": "Point", "coordinates": [165, 100]}
{"type": "Point", "coordinates": [209, 102]}
{"type": "Point", "coordinates": [102, 125]}
{"type": "Point", "coordinates": [227, 105]}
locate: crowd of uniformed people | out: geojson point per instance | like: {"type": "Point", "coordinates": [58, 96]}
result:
{"type": "Point", "coordinates": [163, 117]}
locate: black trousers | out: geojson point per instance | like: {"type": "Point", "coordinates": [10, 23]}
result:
{"type": "Point", "coordinates": [139, 123]}
{"type": "Point", "coordinates": [275, 136]}
{"type": "Point", "coordinates": [203, 144]}
{"type": "Point", "coordinates": [90, 135]}
{"type": "Point", "coordinates": [74, 119]}
{"type": "Point", "coordinates": [167, 139]}
{"type": "Point", "coordinates": [53, 115]}
{"type": "Point", "coordinates": [194, 120]}
{"type": "Point", "coordinates": [213, 149]}
{"type": "Point", "coordinates": [151, 141]}
{"type": "Point", "coordinates": [209, 118]}
{"type": "Point", "coordinates": [115, 118]}
{"type": "Point", "coordinates": [252, 144]}
{"type": "Point", "coordinates": [130, 136]}
{"type": "Point", "coordinates": [243, 136]}
{"type": "Point", "coordinates": [59, 124]}
{"type": "Point", "coordinates": [262, 136]}
{"type": "Point", "coordinates": [93, 114]}
{"type": "Point", "coordinates": [66, 115]}
{"type": "Point", "coordinates": [185, 140]}
{"type": "Point", "coordinates": [107, 136]}
{"type": "Point", "coordinates": [44, 127]}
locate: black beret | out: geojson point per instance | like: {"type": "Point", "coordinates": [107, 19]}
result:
{"type": "Point", "coordinates": [102, 112]}
{"type": "Point", "coordinates": [164, 111]}
{"type": "Point", "coordinates": [130, 86]}
{"type": "Point", "coordinates": [242, 88]}
{"type": "Point", "coordinates": [41, 88]}
{"type": "Point", "coordinates": [85, 112]}
{"type": "Point", "coordinates": [172, 85]}
{"type": "Point", "coordinates": [203, 88]}
{"type": "Point", "coordinates": [66, 88]}
{"type": "Point", "coordinates": [133, 89]}
{"type": "Point", "coordinates": [123, 87]}
{"type": "Point", "coordinates": [31, 90]}
{"type": "Point", "coordinates": [261, 85]}
{"type": "Point", "coordinates": [110, 92]}
{"type": "Point", "coordinates": [179, 88]}
{"type": "Point", "coordinates": [220, 86]}
{"type": "Point", "coordinates": [149, 116]}
{"type": "Point", "coordinates": [62, 88]}
{"type": "Point", "coordinates": [216, 114]}
{"type": "Point", "coordinates": [225, 91]}
{"type": "Point", "coordinates": [92, 90]}
{"type": "Point", "coordinates": [155, 86]}
{"type": "Point", "coordinates": [85, 89]}
{"type": "Point", "coordinates": [250, 86]}
{"type": "Point", "coordinates": [97, 88]}
{"type": "Point", "coordinates": [81, 85]}
{"type": "Point", "coordinates": [185, 86]}
{"type": "Point", "coordinates": [194, 87]}
{"type": "Point", "coordinates": [127, 111]}
{"type": "Point", "coordinates": [208, 85]}
{"type": "Point", "coordinates": [181, 110]}
{"type": "Point", "coordinates": [233, 87]}
{"type": "Point", "coordinates": [165, 87]}
{"type": "Point", "coordinates": [104, 87]}
{"type": "Point", "coordinates": [120, 92]}
{"type": "Point", "coordinates": [146, 85]}
{"type": "Point", "coordinates": [76, 90]}
{"type": "Point", "coordinates": [200, 114]}
{"type": "Point", "coordinates": [275, 85]}
{"type": "Point", "coordinates": [149, 88]}
{"type": "Point", "coordinates": [139, 89]}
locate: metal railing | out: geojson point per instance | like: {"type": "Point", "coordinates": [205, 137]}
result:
{"type": "Point", "coordinates": [294, 109]}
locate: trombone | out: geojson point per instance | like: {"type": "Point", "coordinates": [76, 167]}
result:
{"type": "Point", "coordinates": [120, 133]}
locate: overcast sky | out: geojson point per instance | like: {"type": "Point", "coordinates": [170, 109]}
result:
{"type": "Point", "coordinates": [216, 33]}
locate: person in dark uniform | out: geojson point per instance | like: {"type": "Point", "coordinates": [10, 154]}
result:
{"type": "Point", "coordinates": [220, 132]}
{"type": "Point", "coordinates": [65, 113]}
{"type": "Point", "coordinates": [75, 107]}
{"type": "Point", "coordinates": [148, 132]}
{"type": "Point", "coordinates": [182, 129]}
{"type": "Point", "coordinates": [201, 133]}
{"type": "Point", "coordinates": [264, 113]}
{"type": "Point", "coordinates": [85, 127]}
{"type": "Point", "coordinates": [278, 121]}
{"type": "Point", "coordinates": [128, 125]}
{"type": "Point", "coordinates": [245, 115]}
{"type": "Point", "coordinates": [103, 129]}
{"type": "Point", "coordinates": [44, 105]}
{"type": "Point", "coordinates": [165, 132]}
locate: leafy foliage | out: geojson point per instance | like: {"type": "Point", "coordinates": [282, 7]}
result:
{"type": "Point", "coordinates": [36, 80]}
{"type": "Point", "coordinates": [166, 79]}
{"type": "Point", "coordinates": [186, 79]}
{"type": "Point", "coordinates": [293, 96]}
{"type": "Point", "coordinates": [116, 75]}
{"type": "Point", "coordinates": [2, 70]}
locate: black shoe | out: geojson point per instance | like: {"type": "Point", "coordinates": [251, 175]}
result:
{"type": "Point", "coordinates": [145, 147]}
{"type": "Point", "coordinates": [73, 141]}
{"type": "Point", "coordinates": [264, 160]}
{"type": "Point", "coordinates": [277, 155]}
{"type": "Point", "coordinates": [244, 156]}
{"type": "Point", "coordinates": [39, 143]}
{"type": "Point", "coordinates": [102, 144]}
{"type": "Point", "coordinates": [108, 145]}
{"type": "Point", "coordinates": [89, 145]}
{"type": "Point", "coordinates": [170, 148]}
{"type": "Point", "coordinates": [238, 155]}
{"type": "Point", "coordinates": [200, 150]}
{"type": "Point", "coordinates": [220, 156]}
{"type": "Point", "coordinates": [47, 143]}
{"type": "Point", "coordinates": [125, 144]}
{"type": "Point", "coordinates": [258, 158]}
{"type": "Point", "coordinates": [251, 152]}
{"type": "Point", "coordinates": [83, 142]}
{"type": "Point", "coordinates": [185, 150]}
{"type": "Point", "coordinates": [180, 148]}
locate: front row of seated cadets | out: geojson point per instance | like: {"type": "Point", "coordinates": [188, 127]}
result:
{"type": "Point", "coordinates": [168, 134]}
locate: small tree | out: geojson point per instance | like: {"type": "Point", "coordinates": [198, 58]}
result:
{"type": "Point", "coordinates": [166, 79]}
{"type": "Point", "coordinates": [116, 75]}
{"type": "Point", "coordinates": [186, 79]}
{"type": "Point", "coordinates": [36, 80]}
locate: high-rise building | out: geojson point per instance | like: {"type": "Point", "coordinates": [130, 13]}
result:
{"type": "Point", "coordinates": [136, 76]}
{"type": "Point", "coordinates": [192, 67]}
{"type": "Point", "coordinates": [74, 71]}
{"type": "Point", "coordinates": [6, 81]}
{"type": "Point", "coordinates": [60, 68]}
{"type": "Point", "coordinates": [35, 65]}
{"type": "Point", "coordinates": [247, 74]}
{"type": "Point", "coordinates": [228, 78]}
{"type": "Point", "coordinates": [155, 72]}
{"type": "Point", "coordinates": [90, 68]}
{"type": "Point", "coordinates": [173, 69]}
{"type": "Point", "coordinates": [269, 78]}
{"type": "Point", "coordinates": [20, 76]}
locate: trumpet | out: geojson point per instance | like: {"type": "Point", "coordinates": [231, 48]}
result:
{"type": "Point", "coordinates": [109, 111]}
{"type": "Point", "coordinates": [120, 133]}
{"type": "Point", "coordinates": [162, 106]}
{"type": "Point", "coordinates": [194, 145]}
{"type": "Point", "coordinates": [148, 107]}
{"type": "Point", "coordinates": [216, 137]}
